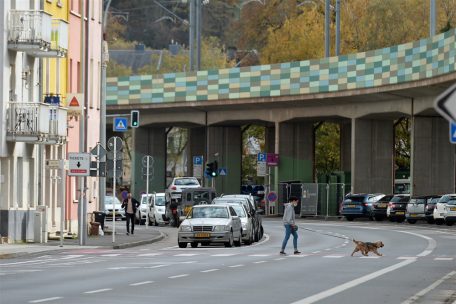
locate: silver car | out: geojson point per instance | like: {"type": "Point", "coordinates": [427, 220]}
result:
{"type": "Point", "coordinates": [113, 204]}
{"type": "Point", "coordinates": [174, 191]}
{"type": "Point", "coordinates": [208, 224]}
{"type": "Point", "coordinates": [247, 220]}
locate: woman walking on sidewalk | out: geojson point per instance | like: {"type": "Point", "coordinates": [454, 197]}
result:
{"type": "Point", "coordinates": [290, 225]}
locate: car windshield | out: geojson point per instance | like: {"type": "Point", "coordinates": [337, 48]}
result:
{"type": "Point", "coordinates": [418, 201]}
{"type": "Point", "coordinates": [386, 198]}
{"type": "Point", "coordinates": [144, 200]}
{"type": "Point", "coordinates": [452, 201]}
{"type": "Point", "coordinates": [160, 201]}
{"type": "Point", "coordinates": [109, 200]}
{"type": "Point", "coordinates": [186, 182]}
{"type": "Point", "coordinates": [358, 199]}
{"type": "Point", "coordinates": [209, 212]}
{"type": "Point", "coordinates": [400, 199]}
{"type": "Point", "coordinates": [434, 200]}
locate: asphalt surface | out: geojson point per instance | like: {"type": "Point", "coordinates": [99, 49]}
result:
{"type": "Point", "coordinates": [418, 266]}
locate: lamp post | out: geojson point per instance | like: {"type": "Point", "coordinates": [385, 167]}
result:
{"type": "Point", "coordinates": [432, 18]}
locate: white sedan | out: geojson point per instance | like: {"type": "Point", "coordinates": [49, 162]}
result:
{"type": "Point", "coordinates": [207, 224]}
{"type": "Point", "coordinates": [450, 212]}
{"type": "Point", "coordinates": [439, 209]}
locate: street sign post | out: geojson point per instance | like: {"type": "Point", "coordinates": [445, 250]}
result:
{"type": "Point", "coordinates": [198, 166]}
{"type": "Point", "coordinates": [445, 104]}
{"type": "Point", "coordinates": [115, 146]}
{"type": "Point", "coordinates": [120, 124]}
{"type": "Point", "coordinates": [223, 172]}
{"type": "Point", "coordinates": [452, 132]}
{"type": "Point", "coordinates": [79, 164]}
{"type": "Point", "coordinates": [261, 164]}
{"type": "Point", "coordinates": [148, 164]}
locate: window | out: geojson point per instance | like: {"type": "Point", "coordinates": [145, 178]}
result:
{"type": "Point", "coordinates": [91, 73]}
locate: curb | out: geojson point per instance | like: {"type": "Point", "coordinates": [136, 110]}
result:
{"type": "Point", "coordinates": [139, 243]}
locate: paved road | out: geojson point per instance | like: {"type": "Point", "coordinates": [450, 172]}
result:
{"type": "Point", "coordinates": [418, 266]}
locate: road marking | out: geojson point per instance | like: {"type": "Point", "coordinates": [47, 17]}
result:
{"type": "Point", "coordinates": [186, 254]}
{"type": "Point", "coordinates": [330, 292]}
{"type": "Point", "coordinates": [149, 254]}
{"type": "Point", "coordinates": [407, 258]}
{"type": "Point", "coordinates": [297, 255]}
{"type": "Point", "coordinates": [141, 283]}
{"type": "Point", "coordinates": [156, 266]}
{"type": "Point", "coordinates": [333, 256]}
{"type": "Point", "coordinates": [210, 270]}
{"type": "Point", "coordinates": [45, 300]}
{"type": "Point", "coordinates": [428, 289]}
{"type": "Point", "coordinates": [98, 290]}
{"type": "Point", "coordinates": [259, 262]}
{"type": "Point", "coordinates": [73, 256]}
{"type": "Point", "coordinates": [443, 259]}
{"type": "Point", "coordinates": [259, 255]}
{"type": "Point", "coordinates": [110, 255]}
{"type": "Point", "coordinates": [279, 259]}
{"type": "Point", "coordinates": [369, 257]}
{"type": "Point", "coordinates": [224, 254]}
{"type": "Point", "coordinates": [235, 266]}
{"type": "Point", "coordinates": [178, 276]}
{"type": "Point", "coordinates": [315, 252]}
{"type": "Point", "coordinates": [431, 243]}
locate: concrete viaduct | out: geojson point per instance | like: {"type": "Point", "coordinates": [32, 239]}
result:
{"type": "Point", "coordinates": [363, 92]}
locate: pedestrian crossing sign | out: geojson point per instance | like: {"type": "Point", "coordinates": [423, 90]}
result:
{"type": "Point", "coordinates": [453, 132]}
{"type": "Point", "coordinates": [120, 124]}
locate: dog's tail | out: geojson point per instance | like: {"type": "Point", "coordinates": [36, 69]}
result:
{"type": "Point", "coordinates": [355, 241]}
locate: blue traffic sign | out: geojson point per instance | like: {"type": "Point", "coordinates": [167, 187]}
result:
{"type": "Point", "coordinates": [223, 172]}
{"type": "Point", "coordinates": [198, 160]}
{"type": "Point", "coordinates": [120, 124]}
{"type": "Point", "coordinates": [262, 157]}
{"type": "Point", "coordinates": [453, 132]}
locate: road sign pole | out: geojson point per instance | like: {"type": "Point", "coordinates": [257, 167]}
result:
{"type": "Point", "coordinates": [62, 209]}
{"type": "Point", "coordinates": [147, 193]}
{"type": "Point", "coordinates": [114, 194]}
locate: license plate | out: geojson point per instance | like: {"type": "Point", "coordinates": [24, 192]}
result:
{"type": "Point", "coordinates": [176, 195]}
{"type": "Point", "coordinates": [203, 235]}
{"type": "Point", "coordinates": [351, 206]}
{"type": "Point", "coordinates": [382, 205]}
{"type": "Point", "coordinates": [413, 215]}
{"type": "Point", "coordinates": [453, 209]}
{"type": "Point", "coordinates": [400, 212]}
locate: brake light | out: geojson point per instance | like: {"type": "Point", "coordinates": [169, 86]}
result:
{"type": "Point", "coordinates": [173, 188]}
{"type": "Point", "coordinates": [391, 205]}
{"type": "Point", "coordinates": [365, 204]}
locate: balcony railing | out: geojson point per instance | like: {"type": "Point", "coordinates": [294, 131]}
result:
{"type": "Point", "coordinates": [29, 30]}
{"type": "Point", "coordinates": [36, 123]}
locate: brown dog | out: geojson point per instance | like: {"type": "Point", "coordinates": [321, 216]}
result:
{"type": "Point", "coordinates": [365, 247]}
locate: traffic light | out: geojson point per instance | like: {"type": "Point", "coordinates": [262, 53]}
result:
{"type": "Point", "coordinates": [134, 119]}
{"type": "Point", "coordinates": [212, 169]}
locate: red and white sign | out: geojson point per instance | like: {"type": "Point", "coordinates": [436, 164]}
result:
{"type": "Point", "coordinates": [78, 164]}
{"type": "Point", "coordinates": [74, 102]}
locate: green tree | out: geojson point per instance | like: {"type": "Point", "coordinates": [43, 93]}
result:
{"type": "Point", "coordinates": [115, 69]}
{"type": "Point", "coordinates": [327, 151]}
{"type": "Point", "coordinates": [251, 135]}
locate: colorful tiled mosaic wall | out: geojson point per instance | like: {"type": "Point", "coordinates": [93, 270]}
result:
{"type": "Point", "coordinates": [417, 60]}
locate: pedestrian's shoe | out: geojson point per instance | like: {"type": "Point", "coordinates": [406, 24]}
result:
{"type": "Point", "coordinates": [128, 233]}
{"type": "Point", "coordinates": [297, 252]}
{"type": "Point", "coordinates": [132, 232]}
{"type": "Point", "coordinates": [282, 252]}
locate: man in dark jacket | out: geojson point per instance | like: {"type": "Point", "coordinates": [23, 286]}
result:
{"type": "Point", "coordinates": [130, 205]}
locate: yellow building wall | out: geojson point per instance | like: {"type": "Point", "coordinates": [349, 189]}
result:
{"type": "Point", "coordinates": [55, 70]}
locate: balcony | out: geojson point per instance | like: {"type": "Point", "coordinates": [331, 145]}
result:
{"type": "Point", "coordinates": [37, 123]}
{"type": "Point", "coordinates": [37, 34]}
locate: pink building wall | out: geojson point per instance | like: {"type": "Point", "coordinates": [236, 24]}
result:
{"type": "Point", "coordinates": [93, 9]}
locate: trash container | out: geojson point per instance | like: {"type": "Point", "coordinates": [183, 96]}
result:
{"type": "Point", "coordinates": [94, 228]}
{"type": "Point", "coordinates": [100, 218]}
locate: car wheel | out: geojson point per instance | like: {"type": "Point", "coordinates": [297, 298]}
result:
{"type": "Point", "coordinates": [411, 221]}
{"type": "Point", "coordinates": [379, 218]}
{"type": "Point", "coordinates": [239, 241]}
{"type": "Point", "coordinates": [137, 220]}
{"type": "Point", "coordinates": [150, 222]}
{"type": "Point", "coordinates": [230, 241]}
{"type": "Point", "coordinates": [439, 221]}
{"type": "Point", "coordinates": [391, 219]}
{"type": "Point", "coordinates": [349, 218]}
{"type": "Point", "coordinates": [400, 220]}
{"type": "Point", "coordinates": [182, 245]}
{"type": "Point", "coordinates": [250, 240]}
{"type": "Point", "coordinates": [256, 236]}
{"type": "Point", "coordinates": [261, 232]}
{"type": "Point", "coordinates": [430, 221]}
{"type": "Point", "coordinates": [449, 223]}
{"type": "Point", "coordinates": [155, 221]}
{"type": "Point", "coordinates": [194, 244]}
{"type": "Point", "coordinates": [205, 244]}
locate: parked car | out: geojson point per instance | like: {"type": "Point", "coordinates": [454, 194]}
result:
{"type": "Point", "coordinates": [397, 207]}
{"type": "Point", "coordinates": [378, 209]}
{"type": "Point", "coordinates": [194, 196]}
{"type": "Point", "coordinates": [416, 208]}
{"type": "Point", "coordinates": [429, 209]}
{"type": "Point", "coordinates": [439, 209]}
{"type": "Point", "coordinates": [358, 205]}
{"type": "Point", "coordinates": [247, 221]}
{"type": "Point", "coordinates": [143, 209]}
{"type": "Point", "coordinates": [156, 214]}
{"type": "Point", "coordinates": [174, 191]}
{"type": "Point", "coordinates": [449, 214]}
{"type": "Point", "coordinates": [253, 211]}
{"type": "Point", "coordinates": [208, 224]}
{"type": "Point", "coordinates": [112, 204]}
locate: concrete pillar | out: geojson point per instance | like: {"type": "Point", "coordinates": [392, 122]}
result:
{"type": "Point", "coordinates": [345, 146]}
{"type": "Point", "coordinates": [227, 142]}
{"type": "Point", "coordinates": [196, 144]}
{"type": "Point", "coordinates": [372, 156]}
{"type": "Point", "coordinates": [148, 141]}
{"type": "Point", "coordinates": [433, 157]}
{"type": "Point", "coordinates": [296, 152]}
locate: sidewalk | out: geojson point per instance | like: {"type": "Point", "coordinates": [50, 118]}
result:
{"type": "Point", "coordinates": [143, 235]}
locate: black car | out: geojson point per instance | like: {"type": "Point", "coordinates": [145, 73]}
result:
{"type": "Point", "coordinates": [429, 209]}
{"type": "Point", "coordinates": [397, 207]}
{"type": "Point", "coordinates": [378, 210]}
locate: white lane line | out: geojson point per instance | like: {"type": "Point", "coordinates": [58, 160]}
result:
{"type": "Point", "coordinates": [333, 256]}
{"type": "Point", "coordinates": [406, 258]}
{"type": "Point", "coordinates": [45, 300]}
{"type": "Point", "coordinates": [110, 255]}
{"type": "Point", "coordinates": [209, 270]}
{"type": "Point", "coordinates": [149, 254]}
{"type": "Point", "coordinates": [443, 259]}
{"type": "Point", "coordinates": [330, 292]}
{"type": "Point", "coordinates": [259, 255]}
{"type": "Point", "coordinates": [279, 259]}
{"type": "Point", "coordinates": [369, 257]}
{"type": "Point", "coordinates": [315, 252]}
{"type": "Point", "coordinates": [141, 283]}
{"type": "Point", "coordinates": [259, 262]}
{"type": "Point", "coordinates": [235, 266]}
{"type": "Point", "coordinates": [186, 254]}
{"type": "Point", "coordinates": [328, 249]}
{"type": "Point", "coordinates": [98, 290]}
{"type": "Point", "coordinates": [179, 276]}
{"type": "Point", "coordinates": [73, 256]}
{"type": "Point", "coordinates": [297, 255]}
{"type": "Point", "coordinates": [431, 243]}
{"type": "Point", "coordinates": [156, 266]}
{"type": "Point", "coordinates": [421, 293]}
{"type": "Point", "coordinates": [224, 254]}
